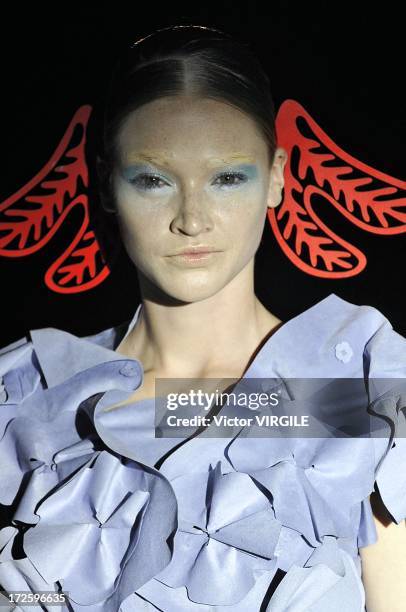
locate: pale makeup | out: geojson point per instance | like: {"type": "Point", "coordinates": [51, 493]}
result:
{"type": "Point", "coordinates": [191, 172]}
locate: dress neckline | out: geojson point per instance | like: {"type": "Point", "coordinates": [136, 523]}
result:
{"type": "Point", "coordinates": [133, 423]}
{"type": "Point", "coordinates": [256, 368]}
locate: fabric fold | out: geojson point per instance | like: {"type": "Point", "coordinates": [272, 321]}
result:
{"type": "Point", "coordinates": [88, 511]}
{"type": "Point", "coordinates": [219, 544]}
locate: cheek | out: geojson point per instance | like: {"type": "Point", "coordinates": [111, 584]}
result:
{"type": "Point", "coordinates": [139, 223]}
{"type": "Point", "coordinates": [137, 241]}
{"type": "Point", "coordinates": [245, 218]}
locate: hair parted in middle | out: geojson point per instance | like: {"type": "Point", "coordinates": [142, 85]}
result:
{"type": "Point", "coordinates": [181, 60]}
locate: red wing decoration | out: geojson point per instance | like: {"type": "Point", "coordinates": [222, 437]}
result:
{"type": "Point", "coordinates": [31, 217]}
{"type": "Point", "coordinates": [318, 169]}
{"type": "Point", "coordinates": [67, 273]}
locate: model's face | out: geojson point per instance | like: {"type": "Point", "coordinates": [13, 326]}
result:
{"type": "Point", "coordinates": [191, 172]}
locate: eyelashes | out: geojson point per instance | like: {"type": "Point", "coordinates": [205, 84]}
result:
{"type": "Point", "coordinates": [146, 181]}
{"type": "Point", "coordinates": [230, 179]}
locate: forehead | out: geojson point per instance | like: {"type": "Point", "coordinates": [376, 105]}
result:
{"type": "Point", "coordinates": [187, 126]}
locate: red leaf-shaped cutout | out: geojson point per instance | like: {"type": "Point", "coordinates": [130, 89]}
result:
{"type": "Point", "coordinates": [30, 217]}
{"type": "Point", "coordinates": [31, 214]}
{"type": "Point", "coordinates": [81, 266]}
{"type": "Point", "coordinates": [340, 180]}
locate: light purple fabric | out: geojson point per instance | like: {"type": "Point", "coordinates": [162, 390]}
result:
{"type": "Point", "coordinates": [221, 517]}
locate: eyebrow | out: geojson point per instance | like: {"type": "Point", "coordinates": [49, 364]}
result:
{"type": "Point", "coordinates": [160, 159]}
{"type": "Point", "coordinates": [237, 157]}
{"type": "Point", "coordinates": [135, 157]}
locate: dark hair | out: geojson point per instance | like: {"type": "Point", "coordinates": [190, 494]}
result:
{"type": "Point", "coordinates": [183, 59]}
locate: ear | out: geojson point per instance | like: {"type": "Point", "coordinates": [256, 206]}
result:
{"type": "Point", "coordinates": [277, 181]}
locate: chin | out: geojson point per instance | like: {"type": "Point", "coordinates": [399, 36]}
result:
{"type": "Point", "coordinates": [192, 295]}
{"type": "Point", "coordinates": [189, 292]}
{"type": "Point", "coordinates": [184, 285]}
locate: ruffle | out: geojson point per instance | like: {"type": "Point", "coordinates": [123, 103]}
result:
{"type": "Point", "coordinates": [80, 525]}
{"type": "Point", "coordinates": [156, 595]}
{"type": "Point", "coordinates": [92, 520]}
{"type": "Point", "coordinates": [317, 484]}
{"type": "Point", "coordinates": [91, 515]}
{"type": "Point", "coordinates": [226, 522]}
{"type": "Point", "coordinates": [385, 355]}
{"type": "Point", "coordinates": [318, 587]}
{"type": "Point", "coordinates": [44, 434]}
{"type": "Point", "coordinates": [81, 518]}
{"type": "Point", "coordinates": [329, 580]}
{"type": "Point", "coordinates": [391, 480]}
{"type": "Point", "coordinates": [21, 575]}
{"type": "Point", "coordinates": [94, 532]}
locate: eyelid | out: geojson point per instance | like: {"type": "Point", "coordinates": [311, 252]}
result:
{"type": "Point", "coordinates": [245, 172]}
{"type": "Point", "coordinates": [133, 171]}
{"type": "Point", "coordinates": [249, 170]}
{"type": "Point", "coordinates": [225, 172]}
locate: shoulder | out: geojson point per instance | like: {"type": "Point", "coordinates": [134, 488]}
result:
{"type": "Point", "coordinates": [329, 339]}
{"type": "Point", "coordinates": [332, 319]}
{"type": "Point", "coordinates": [336, 315]}
{"type": "Point", "coordinates": [362, 328]}
{"type": "Point", "coordinates": [384, 372]}
{"type": "Point", "coordinates": [384, 347]}
{"type": "Point", "coordinates": [58, 354]}
{"type": "Point", "coordinates": [17, 363]}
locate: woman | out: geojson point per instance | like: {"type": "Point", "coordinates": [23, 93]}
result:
{"type": "Point", "coordinates": [100, 507]}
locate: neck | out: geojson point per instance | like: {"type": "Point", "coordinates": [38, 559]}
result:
{"type": "Point", "coordinates": [216, 334]}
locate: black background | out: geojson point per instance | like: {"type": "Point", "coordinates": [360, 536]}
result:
{"type": "Point", "coordinates": [342, 61]}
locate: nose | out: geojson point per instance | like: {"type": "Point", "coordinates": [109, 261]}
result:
{"type": "Point", "coordinates": [192, 213]}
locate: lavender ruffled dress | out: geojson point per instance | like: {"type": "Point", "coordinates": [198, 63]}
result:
{"type": "Point", "coordinates": [93, 504]}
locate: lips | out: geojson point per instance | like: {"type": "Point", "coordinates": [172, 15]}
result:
{"type": "Point", "coordinates": [194, 258]}
{"type": "Point", "coordinates": [195, 251]}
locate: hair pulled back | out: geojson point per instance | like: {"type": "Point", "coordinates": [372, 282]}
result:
{"type": "Point", "coordinates": [182, 59]}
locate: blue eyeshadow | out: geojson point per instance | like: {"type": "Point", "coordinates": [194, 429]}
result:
{"type": "Point", "coordinates": [131, 171]}
{"type": "Point", "coordinates": [249, 169]}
